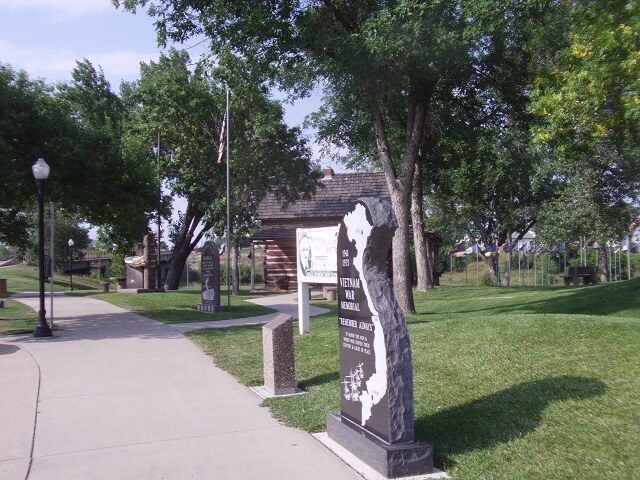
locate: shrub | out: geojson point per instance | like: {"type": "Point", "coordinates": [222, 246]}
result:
{"type": "Point", "coordinates": [245, 274]}
{"type": "Point", "coordinates": [487, 281]}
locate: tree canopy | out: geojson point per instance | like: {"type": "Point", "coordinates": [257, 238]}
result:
{"type": "Point", "coordinates": [382, 63]}
{"type": "Point", "coordinates": [505, 112]}
{"type": "Point", "coordinates": [76, 128]}
{"type": "Point", "coordinates": [588, 103]}
{"type": "Point", "coordinates": [185, 107]}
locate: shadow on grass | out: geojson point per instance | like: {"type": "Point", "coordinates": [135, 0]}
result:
{"type": "Point", "coordinates": [500, 417]}
{"type": "Point", "coordinates": [320, 379]}
{"type": "Point", "coordinates": [17, 331]}
{"type": "Point", "coordinates": [619, 298]}
{"type": "Point", "coordinates": [614, 299]}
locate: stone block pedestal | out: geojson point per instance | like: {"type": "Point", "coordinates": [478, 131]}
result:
{"type": "Point", "coordinates": [279, 366]}
{"type": "Point", "coordinates": [391, 461]}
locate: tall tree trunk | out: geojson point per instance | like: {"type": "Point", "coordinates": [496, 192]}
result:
{"type": "Point", "coordinates": [235, 268]}
{"type": "Point", "coordinates": [419, 243]}
{"type": "Point", "coordinates": [603, 263]}
{"type": "Point", "coordinates": [402, 284]}
{"type": "Point", "coordinates": [184, 245]}
{"type": "Point", "coordinates": [506, 278]}
{"type": "Point", "coordinates": [492, 265]}
{"type": "Point", "coordinates": [176, 267]}
{"type": "Point", "coordinates": [486, 238]}
{"type": "Point", "coordinates": [400, 185]}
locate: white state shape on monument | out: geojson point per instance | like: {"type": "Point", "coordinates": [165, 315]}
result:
{"type": "Point", "coordinates": [358, 231]}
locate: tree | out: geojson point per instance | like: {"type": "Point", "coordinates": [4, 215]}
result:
{"type": "Point", "coordinates": [381, 61]}
{"type": "Point", "coordinates": [66, 226]}
{"type": "Point", "coordinates": [480, 92]}
{"type": "Point", "coordinates": [173, 104]}
{"type": "Point", "coordinates": [187, 108]}
{"type": "Point", "coordinates": [76, 128]}
{"type": "Point", "coordinates": [114, 176]}
{"type": "Point", "coordinates": [486, 182]}
{"type": "Point", "coordinates": [282, 36]}
{"type": "Point", "coordinates": [31, 126]}
{"type": "Point", "coordinates": [588, 102]}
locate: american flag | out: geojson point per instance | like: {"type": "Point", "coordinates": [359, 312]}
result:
{"type": "Point", "coordinates": [223, 137]}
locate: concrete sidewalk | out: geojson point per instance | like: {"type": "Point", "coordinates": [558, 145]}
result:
{"type": "Point", "coordinates": [286, 303]}
{"type": "Point", "coordinates": [119, 396]}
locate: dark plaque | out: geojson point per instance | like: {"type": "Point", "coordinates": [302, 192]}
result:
{"type": "Point", "coordinates": [375, 352]}
{"type": "Point", "coordinates": [210, 268]}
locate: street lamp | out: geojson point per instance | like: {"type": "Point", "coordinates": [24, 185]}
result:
{"type": "Point", "coordinates": [70, 242]}
{"type": "Point", "coordinates": [41, 173]}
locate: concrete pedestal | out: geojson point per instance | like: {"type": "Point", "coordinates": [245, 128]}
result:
{"type": "Point", "coordinates": [210, 308]}
{"type": "Point", "coordinates": [278, 356]}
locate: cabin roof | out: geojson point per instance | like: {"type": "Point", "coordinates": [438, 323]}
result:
{"type": "Point", "coordinates": [335, 194]}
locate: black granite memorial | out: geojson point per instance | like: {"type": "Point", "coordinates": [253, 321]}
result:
{"type": "Point", "coordinates": [210, 268]}
{"type": "Point", "coordinates": [376, 420]}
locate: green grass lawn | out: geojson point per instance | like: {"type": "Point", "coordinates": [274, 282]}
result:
{"type": "Point", "coordinates": [517, 383]}
{"type": "Point", "coordinates": [168, 307]}
{"type": "Point", "coordinates": [180, 306]}
{"type": "Point", "coordinates": [17, 318]}
{"type": "Point", "coordinates": [24, 278]}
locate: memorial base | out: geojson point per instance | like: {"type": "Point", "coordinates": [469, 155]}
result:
{"type": "Point", "coordinates": [391, 461]}
{"type": "Point", "coordinates": [206, 308]}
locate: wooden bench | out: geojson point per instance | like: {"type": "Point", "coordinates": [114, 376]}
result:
{"type": "Point", "coordinates": [587, 274]}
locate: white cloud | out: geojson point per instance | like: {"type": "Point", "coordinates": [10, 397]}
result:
{"type": "Point", "coordinates": [121, 64]}
{"type": "Point", "coordinates": [49, 64]}
{"type": "Point", "coordinates": [56, 64]}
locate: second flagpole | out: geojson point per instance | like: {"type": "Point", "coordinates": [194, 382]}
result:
{"type": "Point", "coordinates": [228, 210]}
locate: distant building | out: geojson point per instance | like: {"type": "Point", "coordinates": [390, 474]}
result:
{"type": "Point", "coordinates": [335, 194]}
{"type": "Point", "coordinates": [141, 269]}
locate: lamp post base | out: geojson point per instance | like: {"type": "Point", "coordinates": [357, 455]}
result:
{"type": "Point", "coordinates": [41, 331]}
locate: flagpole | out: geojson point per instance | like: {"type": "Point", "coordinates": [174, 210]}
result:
{"type": "Point", "coordinates": [158, 270]}
{"type": "Point", "coordinates": [620, 263]}
{"type": "Point", "coordinates": [466, 271]}
{"type": "Point", "coordinates": [477, 269]}
{"type": "Point", "coordinates": [628, 257]}
{"type": "Point", "coordinates": [451, 268]}
{"type": "Point", "coordinates": [228, 210]}
{"type": "Point", "coordinates": [535, 265]}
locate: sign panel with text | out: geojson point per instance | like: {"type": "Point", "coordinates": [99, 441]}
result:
{"type": "Point", "coordinates": [316, 252]}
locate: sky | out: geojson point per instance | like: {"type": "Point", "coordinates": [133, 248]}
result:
{"type": "Point", "coordinates": [46, 37]}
